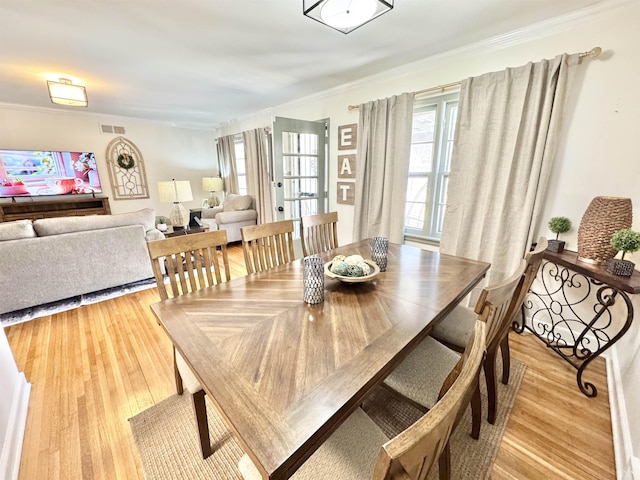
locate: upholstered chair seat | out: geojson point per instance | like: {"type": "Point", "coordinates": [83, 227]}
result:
{"type": "Point", "coordinates": [456, 329]}
{"type": "Point", "coordinates": [349, 453]}
{"type": "Point", "coordinates": [432, 376]}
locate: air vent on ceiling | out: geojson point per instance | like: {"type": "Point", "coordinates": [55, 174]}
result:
{"type": "Point", "coordinates": [112, 129]}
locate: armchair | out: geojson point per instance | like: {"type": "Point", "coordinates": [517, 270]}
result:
{"type": "Point", "coordinates": [236, 212]}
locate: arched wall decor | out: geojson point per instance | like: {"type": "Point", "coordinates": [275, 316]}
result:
{"type": "Point", "coordinates": [126, 170]}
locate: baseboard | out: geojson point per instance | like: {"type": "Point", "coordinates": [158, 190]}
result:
{"type": "Point", "coordinates": [12, 448]}
{"type": "Point", "coordinates": [627, 466]}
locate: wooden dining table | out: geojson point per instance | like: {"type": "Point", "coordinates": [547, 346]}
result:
{"type": "Point", "coordinates": [284, 374]}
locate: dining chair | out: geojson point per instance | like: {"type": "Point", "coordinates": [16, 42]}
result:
{"type": "Point", "coordinates": [359, 450]}
{"type": "Point", "coordinates": [191, 262]}
{"type": "Point", "coordinates": [454, 330]}
{"type": "Point", "coordinates": [420, 375]}
{"type": "Point", "coordinates": [267, 245]}
{"type": "Point", "coordinates": [319, 233]}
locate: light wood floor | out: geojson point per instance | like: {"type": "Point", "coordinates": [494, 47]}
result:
{"type": "Point", "coordinates": [94, 367]}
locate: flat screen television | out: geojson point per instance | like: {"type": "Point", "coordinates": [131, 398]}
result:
{"type": "Point", "coordinates": [34, 172]}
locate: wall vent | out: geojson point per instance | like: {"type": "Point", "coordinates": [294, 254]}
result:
{"type": "Point", "coordinates": [112, 129]}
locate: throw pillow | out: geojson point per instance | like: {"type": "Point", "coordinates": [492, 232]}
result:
{"type": "Point", "coordinates": [236, 203]}
{"type": "Point", "coordinates": [16, 230]}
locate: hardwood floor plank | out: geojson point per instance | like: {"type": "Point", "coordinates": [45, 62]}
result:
{"type": "Point", "coordinates": [93, 367]}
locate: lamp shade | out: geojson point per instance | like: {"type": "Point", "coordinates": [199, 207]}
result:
{"type": "Point", "coordinates": [175, 191]}
{"type": "Point", "coordinates": [345, 15]}
{"type": "Point", "coordinates": [212, 184]}
{"type": "Point", "coordinates": [66, 93]}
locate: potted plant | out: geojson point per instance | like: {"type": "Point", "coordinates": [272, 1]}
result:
{"type": "Point", "coordinates": [558, 225]}
{"type": "Point", "coordinates": [162, 224]}
{"type": "Point", "coordinates": [625, 241]}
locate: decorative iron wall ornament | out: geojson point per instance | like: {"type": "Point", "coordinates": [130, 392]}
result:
{"type": "Point", "coordinates": [126, 170]}
{"type": "Point", "coordinates": [576, 316]}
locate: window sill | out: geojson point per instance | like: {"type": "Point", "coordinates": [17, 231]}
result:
{"type": "Point", "coordinates": [432, 242]}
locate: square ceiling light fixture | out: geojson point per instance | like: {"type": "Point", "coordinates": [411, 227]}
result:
{"type": "Point", "coordinates": [64, 92]}
{"type": "Point", "coordinates": [345, 15]}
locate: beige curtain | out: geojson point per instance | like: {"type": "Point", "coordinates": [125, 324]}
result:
{"type": "Point", "coordinates": [382, 167]}
{"type": "Point", "coordinates": [257, 161]}
{"type": "Point", "coordinates": [506, 138]}
{"type": "Point", "coordinates": [227, 158]}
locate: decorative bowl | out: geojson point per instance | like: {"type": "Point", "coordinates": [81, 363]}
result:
{"type": "Point", "coordinates": [14, 190]}
{"type": "Point", "coordinates": [375, 270]}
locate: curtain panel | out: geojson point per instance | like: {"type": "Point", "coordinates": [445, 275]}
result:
{"type": "Point", "coordinates": [382, 167]}
{"type": "Point", "coordinates": [257, 164]}
{"type": "Point", "coordinates": [507, 134]}
{"type": "Point", "coordinates": [227, 157]}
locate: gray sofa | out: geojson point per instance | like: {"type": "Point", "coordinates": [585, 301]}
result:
{"type": "Point", "coordinates": [236, 212]}
{"type": "Point", "coordinates": [58, 258]}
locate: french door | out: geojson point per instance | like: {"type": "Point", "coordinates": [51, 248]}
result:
{"type": "Point", "coordinates": [300, 171]}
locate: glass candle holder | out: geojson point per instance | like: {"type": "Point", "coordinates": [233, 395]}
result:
{"type": "Point", "coordinates": [379, 250]}
{"type": "Point", "coordinates": [313, 280]}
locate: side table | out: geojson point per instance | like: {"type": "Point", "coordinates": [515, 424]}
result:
{"type": "Point", "coordinates": [185, 231]}
{"type": "Point", "coordinates": [572, 309]}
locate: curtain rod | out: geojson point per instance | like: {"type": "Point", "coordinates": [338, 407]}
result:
{"type": "Point", "coordinates": [593, 53]}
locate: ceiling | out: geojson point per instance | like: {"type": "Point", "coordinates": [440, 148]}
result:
{"type": "Point", "coordinates": [199, 63]}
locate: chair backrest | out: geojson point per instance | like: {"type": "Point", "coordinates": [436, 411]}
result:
{"type": "Point", "coordinates": [412, 453]}
{"type": "Point", "coordinates": [533, 259]}
{"type": "Point", "coordinates": [319, 233]}
{"type": "Point", "coordinates": [267, 245]}
{"type": "Point", "coordinates": [191, 262]}
{"type": "Point", "coordinates": [496, 302]}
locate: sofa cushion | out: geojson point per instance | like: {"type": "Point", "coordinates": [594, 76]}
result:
{"type": "Point", "coordinates": [56, 226]}
{"type": "Point", "coordinates": [16, 230]}
{"type": "Point", "coordinates": [235, 203]}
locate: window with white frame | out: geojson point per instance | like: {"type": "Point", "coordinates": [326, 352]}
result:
{"type": "Point", "coordinates": [241, 164]}
{"type": "Point", "coordinates": [434, 123]}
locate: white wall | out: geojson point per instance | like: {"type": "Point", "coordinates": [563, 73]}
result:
{"type": "Point", "coordinates": [598, 154]}
{"type": "Point", "coordinates": [14, 402]}
{"type": "Point", "coordinates": [168, 152]}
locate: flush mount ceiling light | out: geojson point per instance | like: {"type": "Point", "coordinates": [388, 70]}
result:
{"type": "Point", "coordinates": [63, 92]}
{"type": "Point", "coordinates": [345, 15]}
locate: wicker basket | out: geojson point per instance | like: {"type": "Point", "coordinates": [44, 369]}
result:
{"type": "Point", "coordinates": [604, 217]}
{"type": "Point", "coordinates": [623, 268]}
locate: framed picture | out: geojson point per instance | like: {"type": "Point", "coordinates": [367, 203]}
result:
{"type": "Point", "coordinates": [205, 203]}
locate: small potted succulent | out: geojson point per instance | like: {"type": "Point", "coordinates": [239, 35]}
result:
{"type": "Point", "coordinates": [625, 241]}
{"type": "Point", "coordinates": [162, 224]}
{"type": "Point", "coordinates": [558, 225]}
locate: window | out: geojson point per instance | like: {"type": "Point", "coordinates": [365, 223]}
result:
{"type": "Point", "coordinates": [241, 164]}
{"type": "Point", "coordinates": [434, 123]}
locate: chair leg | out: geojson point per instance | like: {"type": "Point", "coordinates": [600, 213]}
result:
{"type": "Point", "coordinates": [200, 410]}
{"type": "Point", "coordinates": [476, 413]}
{"type": "Point", "coordinates": [506, 359]}
{"type": "Point", "coordinates": [444, 463]}
{"type": "Point", "coordinates": [490, 376]}
{"type": "Point", "coordinates": [176, 373]}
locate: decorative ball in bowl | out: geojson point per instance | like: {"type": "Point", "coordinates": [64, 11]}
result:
{"type": "Point", "coordinates": [351, 269]}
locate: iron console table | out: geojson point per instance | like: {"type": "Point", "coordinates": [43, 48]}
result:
{"type": "Point", "coordinates": [572, 310]}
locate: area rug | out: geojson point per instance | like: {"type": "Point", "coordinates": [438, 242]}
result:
{"type": "Point", "coordinates": [169, 450]}
{"type": "Point", "coordinates": [26, 314]}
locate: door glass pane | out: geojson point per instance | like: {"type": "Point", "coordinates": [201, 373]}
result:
{"type": "Point", "coordinates": [293, 142]}
{"type": "Point", "coordinates": [300, 166]}
{"type": "Point", "coordinates": [300, 187]}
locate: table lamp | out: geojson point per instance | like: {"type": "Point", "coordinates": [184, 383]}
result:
{"type": "Point", "coordinates": [212, 185]}
{"type": "Point", "coordinates": [176, 192]}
